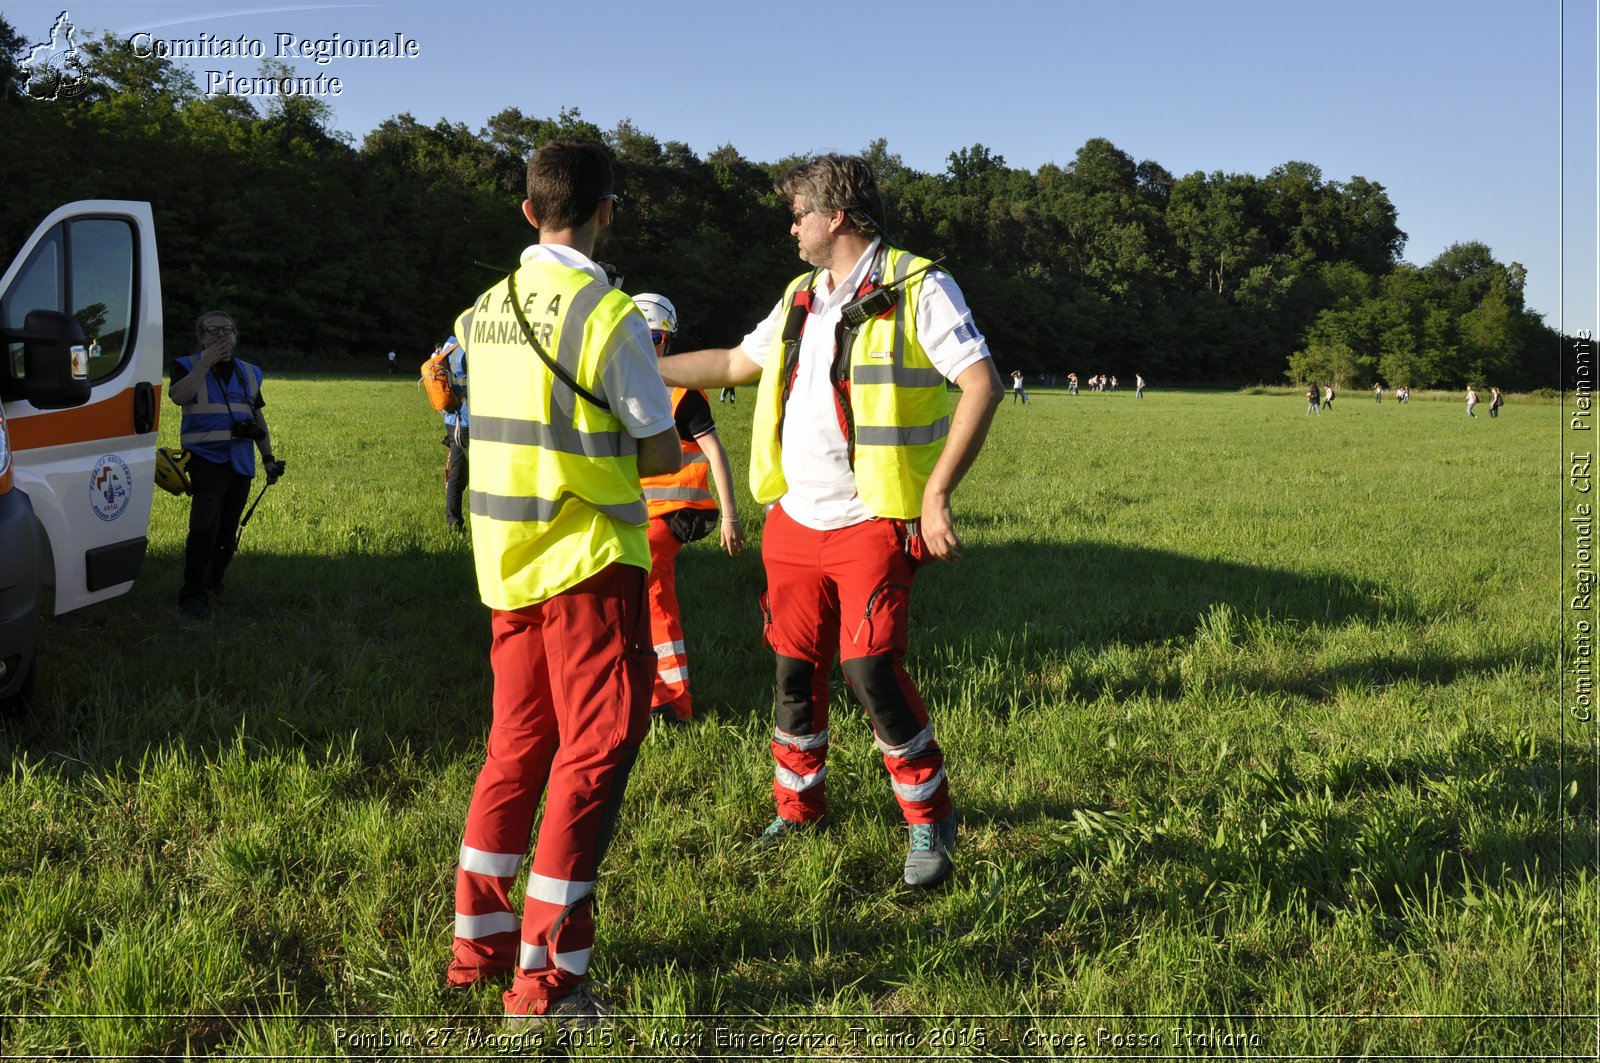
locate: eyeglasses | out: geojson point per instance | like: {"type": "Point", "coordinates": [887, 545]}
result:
{"type": "Point", "coordinates": [219, 330]}
{"type": "Point", "coordinates": [798, 214]}
{"type": "Point", "coordinates": [616, 200]}
{"type": "Point", "coordinates": [658, 338]}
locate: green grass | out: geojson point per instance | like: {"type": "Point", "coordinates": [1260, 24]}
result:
{"type": "Point", "coordinates": [1254, 721]}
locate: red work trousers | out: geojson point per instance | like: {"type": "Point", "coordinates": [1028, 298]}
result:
{"type": "Point", "coordinates": [571, 705]}
{"type": "Point", "coordinates": [845, 593]}
{"type": "Point", "coordinates": [666, 623]}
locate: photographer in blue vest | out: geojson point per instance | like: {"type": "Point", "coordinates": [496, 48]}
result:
{"type": "Point", "coordinates": [223, 428]}
{"type": "Point", "coordinates": [856, 454]}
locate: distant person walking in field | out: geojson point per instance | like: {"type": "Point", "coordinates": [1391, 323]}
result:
{"type": "Point", "coordinates": [569, 412]}
{"type": "Point", "coordinates": [394, 366]}
{"type": "Point", "coordinates": [1312, 406]}
{"type": "Point", "coordinates": [1402, 394]}
{"type": "Point", "coordinates": [1072, 383]}
{"type": "Point", "coordinates": [1472, 401]}
{"type": "Point", "coordinates": [1016, 388]}
{"type": "Point", "coordinates": [726, 395]}
{"type": "Point", "coordinates": [682, 511]}
{"type": "Point", "coordinates": [224, 426]}
{"type": "Point", "coordinates": [1327, 397]}
{"type": "Point", "coordinates": [1496, 400]}
{"type": "Point", "coordinates": [1138, 386]}
{"type": "Point", "coordinates": [844, 538]}
{"type": "Point", "coordinates": [457, 436]}
{"type": "Point", "coordinates": [1377, 392]}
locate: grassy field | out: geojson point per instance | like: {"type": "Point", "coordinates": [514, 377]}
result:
{"type": "Point", "coordinates": [1255, 722]}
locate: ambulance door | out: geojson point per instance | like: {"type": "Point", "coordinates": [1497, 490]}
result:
{"type": "Point", "coordinates": [87, 462]}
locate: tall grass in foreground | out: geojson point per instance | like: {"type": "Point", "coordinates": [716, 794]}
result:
{"type": "Point", "coordinates": [1254, 722]}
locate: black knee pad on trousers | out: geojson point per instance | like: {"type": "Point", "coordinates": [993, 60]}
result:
{"type": "Point", "coordinates": [613, 807]}
{"type": "Point", "coordinates": [791, 704]}
{"type": "Point", "coordinates": [874, 681]}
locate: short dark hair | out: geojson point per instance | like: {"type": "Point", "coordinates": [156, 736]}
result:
{"type": "Point", "coordinates": [200, 322]}
{"type": "Point", "coordinates": [567, 179]}
{"type": "Point", "coordinates": [839, 182]}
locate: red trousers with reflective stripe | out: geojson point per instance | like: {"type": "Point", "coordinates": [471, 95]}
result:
{"type": "Point", "coordinates": [571, 705]}
{"type": "Point", "coordinates": [666, 623]}
{"type": "Point", "coordinates": [844, 593]}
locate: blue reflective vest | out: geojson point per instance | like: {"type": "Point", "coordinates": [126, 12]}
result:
{"type": "Point", "coordinates": [208, 419]}
{"type": "Point", "coordinates": [457, 364]}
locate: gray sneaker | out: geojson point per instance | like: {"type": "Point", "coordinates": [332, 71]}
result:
{"type": "Point", "coordinates": [584, 1006]}
{"type": "Point", "coordinates": [928, 860]}
{"type": "Point", "coordinates": [781, 830]}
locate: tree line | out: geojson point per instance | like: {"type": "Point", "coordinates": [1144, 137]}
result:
{"type": "Point", "coordinates": [337, 249]}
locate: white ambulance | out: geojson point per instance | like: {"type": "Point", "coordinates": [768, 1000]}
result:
{"type": "Point", "coordinates": [80, 389]}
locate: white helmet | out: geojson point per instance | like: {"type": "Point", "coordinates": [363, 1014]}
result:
{"type": "Point", "coordinates": [658, 311]}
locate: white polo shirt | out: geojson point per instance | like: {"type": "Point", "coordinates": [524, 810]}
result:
{"type": "Point", "coordinates": [816, 458]}
{"type": "Point", "coordinates": [629, 379]}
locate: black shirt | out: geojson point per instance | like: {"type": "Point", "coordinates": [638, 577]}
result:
{"type": "Point", "coordinates": [693, 416]}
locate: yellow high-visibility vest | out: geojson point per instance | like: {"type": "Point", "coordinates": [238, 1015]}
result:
{"type": "Point", "coordinates": [899, 413]}
{"type": "Point", "coordinates": [553, 486]}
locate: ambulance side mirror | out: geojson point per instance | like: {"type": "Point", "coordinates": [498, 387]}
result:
{"type": "Point", "coordinates": [46, 362]}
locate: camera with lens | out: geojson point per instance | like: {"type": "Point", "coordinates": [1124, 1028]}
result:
{"type": "Point", "coordinates": [248, 430]}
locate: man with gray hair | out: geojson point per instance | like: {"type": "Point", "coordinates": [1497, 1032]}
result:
{"type": "Point", "coordinates": [856, 454]}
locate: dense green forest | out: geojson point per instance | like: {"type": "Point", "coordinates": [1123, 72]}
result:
{"type": "Point", "coordinates": [336, 249]}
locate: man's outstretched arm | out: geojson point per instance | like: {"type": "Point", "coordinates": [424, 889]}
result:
{"type": "Point", "coordinates": [714, 367]}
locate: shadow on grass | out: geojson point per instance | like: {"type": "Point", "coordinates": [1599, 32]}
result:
{"type": "Point", "coordinates": [375, 650]}
{"type": "Point", "coordinates": [383, 651]}
{"type": "Point", "coordinates": [1096, 594]}
{"type": "Point", "coordinates": [391, 644]}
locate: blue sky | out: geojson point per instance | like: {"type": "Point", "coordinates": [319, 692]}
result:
{"type": "Point", "coordinates": [1478, 117]}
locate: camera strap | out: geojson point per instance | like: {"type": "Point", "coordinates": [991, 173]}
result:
{"type": "Point", "coordinates": [554, 366]}
{"type": "Point", "coordinates": [247, 384]}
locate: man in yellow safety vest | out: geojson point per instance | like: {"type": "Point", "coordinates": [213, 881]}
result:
{"type": "Point", "coordinates": [559, 540]}
{"type": "Point", "coordinates": [857, 454]}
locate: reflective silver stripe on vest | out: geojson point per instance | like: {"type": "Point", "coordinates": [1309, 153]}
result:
{"type": "Point", "coordinates": [569, 353]}
{"type": "Point", "coordinates": [208, 407]}
{"type": "Point", "coordinates": [533, 509]}
{"type": "Point", "coordinates": [675, 494]}
{"type": "Point", "coordinates": [897, 375]}
{"type": "Point", "coordinates": [892, 436]}
{"type": "Point", "coordinates": [562, 438]}
{"type": "Point", "coordinates": [189, 439]}
{"type": "Point", "coordinates": [895, 371]}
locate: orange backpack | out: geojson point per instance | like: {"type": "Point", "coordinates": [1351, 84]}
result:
{"type": "Point", "coordinates": [436, 382]}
